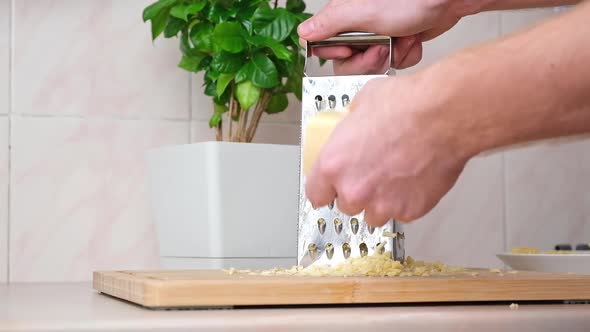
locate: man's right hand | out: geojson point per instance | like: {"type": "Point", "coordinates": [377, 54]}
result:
{"type": "Point", "coordinates": [412, 21]}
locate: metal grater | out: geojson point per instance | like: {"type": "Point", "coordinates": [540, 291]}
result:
{"type": "Point", "coordinates": [327, 236]}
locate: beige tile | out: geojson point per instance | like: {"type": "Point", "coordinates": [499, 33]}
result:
{"type": "Point", "coordinates": [94, 57]}
{"type": "Point", "coordinates": [470, 31]}
{"type": "Point", "coordinates": [547, 195]}
{"type": "Point", "coordinates": [466, 228]}
{"type": "Point", "coordinates": [79, 196]}
{"type": "Point", "coordinates": [269, 133]}
{"type": "Point", "coordinates": [516, 20]}
{"type": "Point", "coordinates": [3, 199]}
{"type": "Point", "coordinates": [4, 54]}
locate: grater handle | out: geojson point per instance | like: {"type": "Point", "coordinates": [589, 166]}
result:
{"type": "Point", "coordinates": [349, 39]}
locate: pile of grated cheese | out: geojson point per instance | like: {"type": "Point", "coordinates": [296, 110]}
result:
{"type": "Point", "coordinates": [376, 265]}
{"type": "Point", "coordinates": [529, 250]}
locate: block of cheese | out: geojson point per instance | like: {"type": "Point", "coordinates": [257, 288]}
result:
{"type": "Point", "coordinates": [317, 132]}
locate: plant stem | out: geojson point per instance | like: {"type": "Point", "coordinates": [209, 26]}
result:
{"type": "Point", "coordinates": [276, 3]}
{"type": "Point", "coordinates": [258, 111]}
{"type": "Point", "coordinates": [219, 131]}
{"type": "Point", "coordinates": [230, 112]}
{"type": "Point", "coordinates": [242, 124]}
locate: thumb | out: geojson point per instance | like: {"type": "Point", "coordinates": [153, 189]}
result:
{"type": "Point", "coordinates": [334, 19]}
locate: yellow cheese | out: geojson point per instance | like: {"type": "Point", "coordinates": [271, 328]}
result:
{"type": "Point", "coordinates": [317, 132]}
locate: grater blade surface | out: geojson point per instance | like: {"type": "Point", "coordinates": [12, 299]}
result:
{"type": "Point", "coordinates": [327, 236]}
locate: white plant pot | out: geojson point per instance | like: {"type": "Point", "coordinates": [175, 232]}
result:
{"type": "Point", "coordinates": [223, 204]}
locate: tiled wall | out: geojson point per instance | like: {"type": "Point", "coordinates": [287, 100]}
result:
{"type": "Point", "coordinates": [84, 93]}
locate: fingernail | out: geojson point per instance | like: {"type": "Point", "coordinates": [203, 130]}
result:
{"type": "Point", "coordinates": [306, 28]}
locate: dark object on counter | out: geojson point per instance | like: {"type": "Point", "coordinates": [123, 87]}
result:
{"type": "Point", "coordinates": [563, 247]}
{"type": "Point", "coordinates": [583, 246]}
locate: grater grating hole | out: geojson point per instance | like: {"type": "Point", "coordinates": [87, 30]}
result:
{"type": "Point", "coordinates": [346, 250]}
{"type": "Point", "coordinates": [371, 229]}
{"type": "Point", "coordinates": [332, 101]}
{"type": "Point", "coordinates": [379, 248]}
{"type": "Point", "coordinates": [338, 225]}
{"type": "Point", "coordinates": [322, 226]}
{"type": "Point", "coordinates": [318, 102]}
{"type": "Point", "coordinates": [354, 225]}
{"type": "Point", "coordinates": [345, 100]}
{"type": "Point", "coordinates": [313, 250]}
{"type": "Point", "coordinates": [329, 250]}
{"type": "Point", "coordinates": [363, 249]}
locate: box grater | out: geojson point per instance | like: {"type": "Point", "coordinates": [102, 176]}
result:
{"type": "Point", "coordinates": [327, 236]}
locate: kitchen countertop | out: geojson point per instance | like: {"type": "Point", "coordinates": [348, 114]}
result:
{"type": "Point", "coordinates": [77, 307]}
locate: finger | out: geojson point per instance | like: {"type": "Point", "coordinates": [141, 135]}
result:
{"type": "Point", "coordinates": [336, 18]}
{"type": "Point", "coordinates": [373, 61]}
{"type": "Point", "coordinates": [413, 57]}
{"type": "Point", "coordinates": [401, 48]}
{"type": "Point", "coordinates": [375, 217]}
{"type": "Point", "coordinates": [354, 199]}
{"type": "Point", "coordinates": [333, 52]}
{"type": "Point", "coordinates": [435, 32]}
{"type": "Point", "coordinates": [318, 189]}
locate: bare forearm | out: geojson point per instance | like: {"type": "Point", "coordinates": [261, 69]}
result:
{"type": "Point", "coordinates": [530, 86]}
{"type": "Point", "coordinates": [522, 4]}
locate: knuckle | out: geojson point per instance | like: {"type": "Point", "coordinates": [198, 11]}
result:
{"type": "Point", "coordinates": [329, 166]}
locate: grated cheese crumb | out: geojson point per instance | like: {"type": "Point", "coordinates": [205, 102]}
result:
{"type": "Point", "coordinates": [376, 265]}
{"type": "Point", "coordinates": [514, 306]}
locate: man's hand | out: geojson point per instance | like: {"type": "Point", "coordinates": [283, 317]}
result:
{"type": "Point", "coordinates": [412, 21]}
{"type": "Point", "coordinates": [387, 157]}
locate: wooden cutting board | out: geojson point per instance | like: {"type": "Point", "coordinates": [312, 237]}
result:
{"type": "Point", "coordinates": [198, 288]}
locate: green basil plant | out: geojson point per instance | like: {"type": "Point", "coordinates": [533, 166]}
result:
{"type": "Point", "coordinates": [248, 50]}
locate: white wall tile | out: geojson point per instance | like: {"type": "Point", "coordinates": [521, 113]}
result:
{"type": "Point", "coordinates": [3, 199]}
{"type": "Point", "coordinates": [79, 196]}
{"type": "Point", "coordinates": [548, 195]}
{"type": "Point", "coordinates": [94, 57]}
{"type": "Point", "coordinates": [4, 54]}
{"type": "Point", "coordinates": [466, 228]}
{"type": "Point", "coordinates": [269, 133]}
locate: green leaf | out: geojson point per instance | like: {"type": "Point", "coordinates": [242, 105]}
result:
{"type": "Point", "coordinates": [202, 37]}
{"type": "Point", "coordinates": [219, 108]}
{"type": "Point", "coordinates": [295, 6]}
{"type": "Point", "coordinates": [222, 82]}
{"type": "Point", "coordinates": [230, 37]}
{"type": "Point", "coordinates": [263, 16]}
{"type": "Point", "coordinates": [226, 63]}
{"type": "Point", "coordinates": [248, 26]}
{"type": "Point", "coordinates": [277, 48]}
{"type": "Point", "coordinates": [191, 63]}
{"type": "Point", "coordinates": [185, 46]}
{"type": "Point", "coordinates": [211, 89]}
{"type": "Point", "coordinates": [159, 24]}
{"type": "Point", "coordinates": [215, 119]}
{"type": "Point", "coordinates": [280, 28]}
{"type": "Point", "coordinates": [154, 10]}
{"type": "Point", "coordinates": [247, 94]}
{"type": "Point", "coordinates": [277, 103]}
{"type": "Point", "coordinates": [212, 75]}
{"type": "Point", "coordinates": [218, 14]}
{"type": "Point", "coordinates": [173, 27]}
{"type": "Point", "coordinates": [183, 11]}
{"type": "Point", "coordinates": [243, 73]}
{"type": "Point", "coordinates": [295, 85]}
{"type": "Point", "coordinates": [263, 72]}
